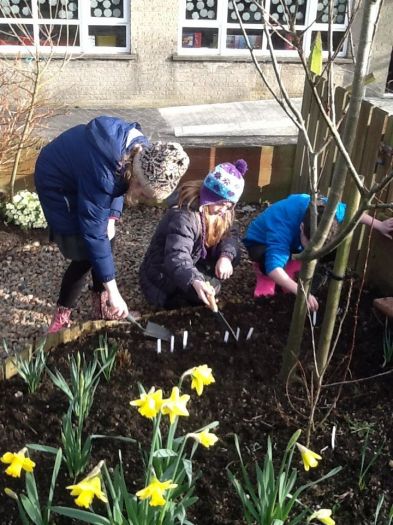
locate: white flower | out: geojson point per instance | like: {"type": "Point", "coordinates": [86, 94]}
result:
{"type": "Point", "coordinates": [25, 210]}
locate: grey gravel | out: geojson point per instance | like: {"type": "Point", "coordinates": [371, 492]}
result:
{"type": "Point", "coordinates": [31, 270]}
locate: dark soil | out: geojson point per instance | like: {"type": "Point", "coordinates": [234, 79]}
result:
{"type": "Point", "coordinates": [246, 399]}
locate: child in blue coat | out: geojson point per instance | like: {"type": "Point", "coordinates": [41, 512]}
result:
{"type": "Point", "coordinates": [82, 178]}
{"type": "Point", "coordinates": [283, 229]}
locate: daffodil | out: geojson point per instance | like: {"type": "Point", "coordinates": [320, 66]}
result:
{"type": "Point", "coordinates": [175, 405]}
{"type": "Point", "coordinates": [205, 438]}
{"type": "Point", "coordinates": [86, 490]}
{"type": "Point", "coordinates": [308, 456]}
{"type": "Point", "coordinates": [10, 493]}
{"type": "Point", "coordinates": [322, 515]}
{"type": "Point", "coordinates": [149, 404]}
{"type": "Point", "coordinates": [201, 376]}
{"type": "Point", "coordinates": [155, 491]}
{"type": "Point", "coordinates": [18, 462]}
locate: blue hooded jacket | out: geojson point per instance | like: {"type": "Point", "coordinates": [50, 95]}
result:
{"type": "Point", "coordinates": [78, 183]}
{"type": "Point", "coordinates": [278, 229]}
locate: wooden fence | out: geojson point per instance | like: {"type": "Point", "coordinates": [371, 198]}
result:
{"type": "Point", "coordinates": [374, 135]}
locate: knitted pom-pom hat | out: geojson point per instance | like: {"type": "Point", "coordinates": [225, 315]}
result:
{"type": "Point", "coordinates": [224, 183]}
{"type": "Point", "coordinates": [161, 165]}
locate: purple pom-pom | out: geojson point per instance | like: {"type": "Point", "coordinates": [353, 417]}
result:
{"type": "Point", "coordinates": [241, 166]}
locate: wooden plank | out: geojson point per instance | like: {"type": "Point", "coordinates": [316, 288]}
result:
{"type": "Point", "coordinates": [326, 174]}
{"type": "Point", "coordinates": [265, 166]}
{"type": "Point", "coordinates": [301, 150]}
{"type": "Point", "coordinates": [366, 111]}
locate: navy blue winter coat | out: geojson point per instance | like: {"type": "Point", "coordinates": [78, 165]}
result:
{"type": "Point", "coordinates": [170, 261]}
{"type": "Point", "coordinates": [79, 186]}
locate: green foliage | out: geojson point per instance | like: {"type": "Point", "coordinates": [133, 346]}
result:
{"type": "Point", "coordinates": [377, 516]}
{"type": "Point", "coordinates": [271, 499]}
{"type": "Point", "coordinates": [366, 464]}
{"type": "Point", "coordinates": [168, 462]}
{"type": "Point", "coordinates": [315, 59]}
{"type": "Point", "coordinates": [387, 346]}
{"type": "Point", "coordinates": [84, 380]}
{"type": "Point", "coordinates": [106, 355]}
{"type": "Point", "coordinates": [30, 370]}
{"type": "Point", "coordinates": [76, 451]}
{"type": "Point", "coordinates": [83, 383]}
{"type": "Point", "coordinates": [31, 512]}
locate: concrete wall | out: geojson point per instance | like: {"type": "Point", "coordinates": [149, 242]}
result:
{"type": "Point", "coordinates": [383, 45]}
{"type": "Point", "coordinates": [153, 76]}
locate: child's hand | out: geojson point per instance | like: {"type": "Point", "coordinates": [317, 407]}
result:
{"type": "Point", "coordinates": [224, 268]}
{"type": "Point", "coordinates": [312, 303]}
{"type": "Point", "coordinates": [111, 229]}
{"type": "Point", "coordinates": [203, 290]}
{"type": "Point", "coordinates": [386, 228]}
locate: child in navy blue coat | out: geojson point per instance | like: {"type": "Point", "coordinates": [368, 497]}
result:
{"type": "Point", "coordinates": [283, 229]}
{"type": "Point", "coordinates": [82, 178]}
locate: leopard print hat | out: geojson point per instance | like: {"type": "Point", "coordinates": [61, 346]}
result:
{"type": "Point", "coordinates": [162, 165]}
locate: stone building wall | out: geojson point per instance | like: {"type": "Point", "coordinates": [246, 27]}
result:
{"type": "Point", "coordinates": [154, 76]}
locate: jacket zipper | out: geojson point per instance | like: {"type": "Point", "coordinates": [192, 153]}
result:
{"type": "Point", "coordinates": [67, 203]}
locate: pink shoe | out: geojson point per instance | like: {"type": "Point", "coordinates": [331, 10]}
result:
{"type": "Point", "coordinates": [60, 319]}
{"type": "Point", "coordinates": [265, 286]}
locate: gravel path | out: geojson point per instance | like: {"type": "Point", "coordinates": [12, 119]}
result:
{"type": "Point", "coordinates": [31, 270]}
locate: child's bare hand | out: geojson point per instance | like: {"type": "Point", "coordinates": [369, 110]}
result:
{"type": "Point", "coordinates": [312, 303]}
{"type": "Point", "coordinates": [224, 268]}
{"type": "Point", "coordinates": [386, 228]}
{"type": "Point", "coordinates": [203, 290]}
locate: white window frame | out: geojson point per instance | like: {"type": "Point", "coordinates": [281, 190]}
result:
{"type": "Point", "coordinates": [84, 21]}
{"type": "Point", "coordinates": [223, 26]}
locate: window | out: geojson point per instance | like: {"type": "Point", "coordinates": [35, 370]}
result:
{"type": "Point", "coordinates": [89, 26]}
{"type": "Point", "coordinates": [211, 27]}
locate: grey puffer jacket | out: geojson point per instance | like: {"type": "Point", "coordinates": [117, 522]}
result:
{"type": "Point", "coordinates": [176, 247]}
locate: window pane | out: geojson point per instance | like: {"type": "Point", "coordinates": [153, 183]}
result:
{"type": "Point", "coordinates": [236, 40]}
{"type": "Point", "coordinates": [204, 37]}
{"type": "Point", "coordinates": [114, 36]}
{"type": "Point", "coordinates": [339, 10]}
{"type": "Point", "coordinates": [337, 40]}
{"type": "Point", "coordinates": [249, 12]}
{"type": "Point", "coordinates": [55, 9]}
{"type": "Point", "coordinates": [280, 44]}
{"type": "Point", "coordinates": [107, 8]}
{"type": "Point", "coordinates": [16, 35]}
{"type": "Point", "coordinates": [201, 10]}
{"type": "Point", "coordinates": [15, 8]}
{"type": "Point", "coordinates": [288, 11]}
{"type": "Point", "coordinates": [58, 35]}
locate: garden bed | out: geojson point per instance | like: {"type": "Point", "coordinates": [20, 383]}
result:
{"type": "Point", "coordinates": [246, 399]}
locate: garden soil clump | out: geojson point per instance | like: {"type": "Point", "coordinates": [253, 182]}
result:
{"type": "Point", "coordinates": [246, 399]}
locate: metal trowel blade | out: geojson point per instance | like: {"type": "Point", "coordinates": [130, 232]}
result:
{"type": "Point", "coordinates": [157, 331]}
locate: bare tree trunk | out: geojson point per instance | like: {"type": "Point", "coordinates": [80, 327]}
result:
{"type": "Point", "coordinates": [27, 125]}
{"type": "Point", "coordinates": [369, 22]}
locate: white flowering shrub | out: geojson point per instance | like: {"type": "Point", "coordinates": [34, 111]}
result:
{"type": "Point", "coordinates": [24, 211]}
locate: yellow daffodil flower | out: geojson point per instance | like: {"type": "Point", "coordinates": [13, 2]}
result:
{"type": "Point", "coordinates": [201, 376]}
{"type": "Point", "coordinates": [155, 491]}
{"type": "Point", "coordinates": [308, 456]}
{"type": "Point", "coordinates": [86, 490]}
{"type": "Point", "coordinates": [175, 405]}
{"type": "Point", "coordinates": [205, 438]}
{"type": "Point", "coordinates": [149, 404]}
{"type": "Point", "coordinates": [324, 516]}
{"type": "Point", "coordinates": [18, 462]}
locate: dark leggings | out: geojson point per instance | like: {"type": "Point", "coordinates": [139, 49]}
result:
{"type": "Point", "coordinates": [74, 280]}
